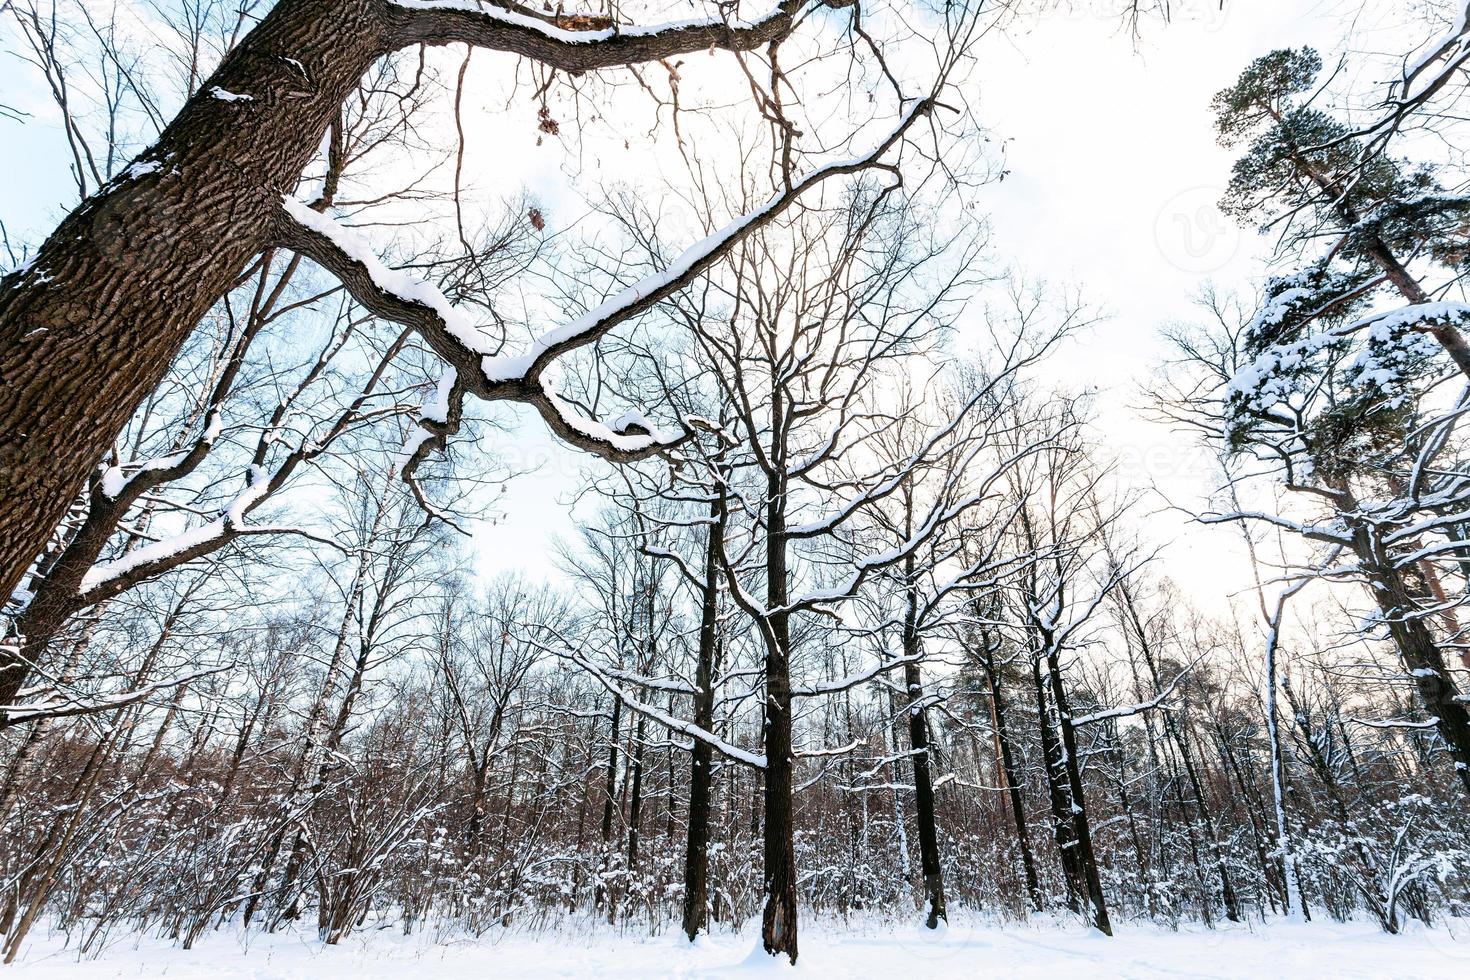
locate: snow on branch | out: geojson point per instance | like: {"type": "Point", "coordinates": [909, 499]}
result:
{"type": "Point", "coordinates": [690, 574]}
{"type": "Point", "coordinates": [1269, 378]}
{"type": "Point", "coordinates": [902, 471]}
{"type": "Point", "coordinates": [1128, 710]}
{"type": "Point", "coordinates": [62, 705]}
{"type": "Point", "coordinates": [1452, 46]}
{"type": "Point", "coordinates": [396, 295]}
{"type": "Point", "coordinates": [435, 413]}
{"type": "Point", "coordinates": [579, 41]}
{"type": "Point", "coordinates": [401, 298]}
{"type": "Point", "coordinates": [397, 284]}
{"type": "Point", "coordinates": [1422, 78]}
{"type": "Point", "coordinates": [105, 580]}
{"type": "Point", "coordinates": [605, 677]}
{"type": "Point", "coordinates": [654, 683]}
{"type": "Point", "coordinates": [129, 480]}
{"type": "Point", "coordinates": [836, 750]}
{"type": "Point", "coordinates": [1416, 316]}
{"type": "Point", "coordinates": [864, 567]}
{"type": "Point", "coordinates": [1394, 723]}
{"type": "Point", "coordinates": [646, 292]}
{"type": "Point", "coordinates": [1315, 532]}
{"type": "Point", "coordinates": [840, 684]}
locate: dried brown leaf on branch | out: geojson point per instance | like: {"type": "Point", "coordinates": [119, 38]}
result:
{"type": "Point", "coordinates": [583, 22]}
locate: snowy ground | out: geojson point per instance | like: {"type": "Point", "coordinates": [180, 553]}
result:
{"type": "Point", "coordinates": [1321, 949]}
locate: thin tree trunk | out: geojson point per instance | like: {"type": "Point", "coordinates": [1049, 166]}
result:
{"type": "Point", "coordinates": [635, 803]}
{"type": "Point", "coordinates": [929, 862]}
{"type": "Point", "coordinates": [998, 714]}
{"type": "Point", "coordinates": [1063, 828]}
{"type": "Point", "coordinates": [609, 800]}
{"type": "Point", "coordinates": [701, 775]}
{"type": "Point", "coordinates": [1179, 736]}
{"type": "Point", "coordinates": [778, 920]}
{"type": "Point", "coordinates": [1076, 798]}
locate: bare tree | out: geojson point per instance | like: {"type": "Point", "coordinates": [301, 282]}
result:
{"type": "Point", "coordinates": [155, 248]}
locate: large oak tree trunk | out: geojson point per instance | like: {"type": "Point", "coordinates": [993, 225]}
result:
{"type": "Point", "coordinates": [90, 327]}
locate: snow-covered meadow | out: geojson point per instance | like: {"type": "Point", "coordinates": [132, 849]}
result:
{"type": "Point", "coordinates": [1043, 948]}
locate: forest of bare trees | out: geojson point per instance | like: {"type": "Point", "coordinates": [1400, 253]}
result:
{"type": "Point", "coordinates": [856, 615]}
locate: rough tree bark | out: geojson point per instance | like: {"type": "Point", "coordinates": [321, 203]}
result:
{"type": "Point", "coordinates": [778, 921]}
{"type": "Point", "coordinates": [1076, 798]}
{"type": "Point", "coordinates": [609, 801]}
{"type": "Point", "coordinates": [999, 711]}
{"type": "Point", "coordinates": [89, 327]}
{"type": "Point", "coordinates": [929, 863]}
{"type": "Point", "coordinates": [701, 775]}
{"type": "Point", "coordinates": [1421, 655]}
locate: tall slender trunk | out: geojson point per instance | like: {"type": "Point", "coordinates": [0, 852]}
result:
{"type": "Point", "coordinates": [22, 764]}
{"type": "Point", "coordinates": [334, 734]}
{"type": "Point", "coordinates": [1077, 799]}
{"type": "Point", "coordinates": [307, 774]}
{"type": "Point", "coordinates": [929, 863]}
{"type": "Point", "coordinates": [893, 748]}
{"type": "Point", "coordinates": [1250, 802]}
{"type": "Point", "coordinates": [609, 796]}
{"type": "Point", "coordinates": [1290, 869]}
{"type": "Point", "coordinates": [1140, 853]}
{"type": "Point", "coordinates": [1063, 828]}
{"type": "Point", "coordinates": [35, 885]}
{"type": "Point", "coordinates": [635, 801]}
{"type": "Point", "coordinates": [1367, 880]}
{"type": "Point", "coordinates": [479, 785]}
{"type": "Point", "coordinates": [609, 801]}
{"type": "Point", "coordinates": [778, 920]}
{"type": "Point", "coordinates": [998, 714]}
{"type": "Point", "coordinates": [701, 775]}
{"type": "Point", "coordinates": [1202, 811]}
{"type": "Point", "coordinates": [672, 800]}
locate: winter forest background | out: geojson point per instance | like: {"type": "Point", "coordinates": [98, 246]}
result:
{"type": "Point", "coordinates": [691, 470]}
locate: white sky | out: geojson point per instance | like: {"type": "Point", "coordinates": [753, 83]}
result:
{"type": "Point", "coordinates": [1113, 177]}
